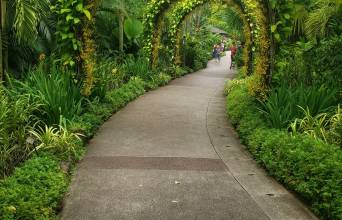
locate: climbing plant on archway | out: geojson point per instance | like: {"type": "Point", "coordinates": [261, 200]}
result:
{"type": "Point", "coordinates": [252, 13]}
{"type": "Point", "coordinates": [255, 26]}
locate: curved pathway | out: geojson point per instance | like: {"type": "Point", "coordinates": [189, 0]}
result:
{"type": "Point", "coordinates": [171, 154]}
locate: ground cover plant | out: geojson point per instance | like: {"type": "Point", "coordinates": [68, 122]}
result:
{"type": "Point", "coordinates": [302, 160]}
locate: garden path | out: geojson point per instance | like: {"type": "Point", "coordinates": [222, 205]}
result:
{"type": "Point", "coordinates": [172, 154]}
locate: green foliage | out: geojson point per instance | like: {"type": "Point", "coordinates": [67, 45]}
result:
{"type": "Point", "coordinates": [179, 71]}
{"type": "Point", "coordinates": [34, 191]}
{"type": "Point", "coordinates": [238, 58]}
{"type": "Point", "coordinates": [289, 18]}
{"type": "Point", "coordinates": [139, 67]}
{"type": "Point", "coordinates": [307, 166]}
{"type": "Point", "coordinates": [117, 19]}
{"type": "Point", "coordinates": [56, 91]}
{"type": "Point", "coordinates": [226, 18]}
{"type": "Point", "coordinates": [305, 63]}
{"type": "Point", "coordinates": [108, 76]}
{"type": "Point", "coordinates": [290, 65]}
{"type": "Point", "coordinates": [281, 107]}
{"type": "Point", "coordinates": [325, 66]}
{"type": "Point", "coordinates": [133, 28]}
{"type": "Point", "coordinates": [120, 97]}
{"type": "Point", "coordinates": [57, 140]}
{"type": "Point", "coordinates": [238, 94]}
{"type": "Point", "coordinates": [69, 14]}
{"type": "Point", "coordinates": [16, 121]}
{"type": "Point", "coordinates": [321, 126]}
{"type": "Point", "coordinates": [198, 49]}
{"type": "Point", "coordinates": [28, 14]}
{"type": "Point", "coordinates": [324, 19]}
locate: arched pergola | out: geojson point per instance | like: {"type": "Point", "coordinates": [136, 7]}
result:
{"type": "Point", "coordinates": [252, 12]}
{"type": "Point", "coordinates": [256, 29]}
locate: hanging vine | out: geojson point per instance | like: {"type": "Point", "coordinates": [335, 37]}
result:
{"type": "Point", "coordinates": [255, 26]}
{"type": "Point", "coordinates": [256, 32]}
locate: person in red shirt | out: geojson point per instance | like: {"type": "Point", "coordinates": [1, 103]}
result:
{"type": "Point", "coordinates": [233, 51]}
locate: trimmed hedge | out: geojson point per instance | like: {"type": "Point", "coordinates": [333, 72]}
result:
{"type": "Point", "coordinates": [307, 166]}
{"type": "Point", "coordinates": [34, 190]}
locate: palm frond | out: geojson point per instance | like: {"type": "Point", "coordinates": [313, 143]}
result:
{"type": "Point", "coordinates": [318, 20]}
{"type": "Point", "coordinates": [27, 16]}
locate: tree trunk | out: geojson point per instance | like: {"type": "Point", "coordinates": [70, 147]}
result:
{"type": "Point", "coordinates": [3, 51]}
{"type": "Point", "coordinates": [271, 20]}
{"type": "Point", "coordinates": [121, 32]}
{"type": "Point", "coordinates": [1, 40]}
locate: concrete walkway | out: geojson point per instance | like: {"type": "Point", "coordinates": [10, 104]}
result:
{"type": "Point", "coordinates": [171, 154]}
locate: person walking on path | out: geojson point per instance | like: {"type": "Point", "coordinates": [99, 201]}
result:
{"type": "Point", "coordinates": [233, 51]}
{"type": "Point", "coordinates": [216, 53]}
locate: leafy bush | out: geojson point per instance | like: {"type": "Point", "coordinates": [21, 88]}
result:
{"type": "Point", "coordinates": [309, 64]}
{"type": "Point", "coordinates": [325, 62]}
{"type": "Point", "coordinates": [163, 78]}
{"type": "Point", "coordinates": [120, 97]}
{"type": "Point", "coordinates": [321, 126]}
{"type": "Point", "coordinates": [139, 67]}
{"type": "Point", "coordinates": [305, 165]}
{"type": "Point", "coordinates": [16, 121]}
{"type": "Point", "coordinates": [34, 191]}
{"type": "Point", "coordinates": [57, 140]}
{"type": "Point", "coordinates": [281, 107]}
{"type": "Point", "coordinates": [197, 50]}
{"type": "Point", "coordinates": [157, 80]}
{"type": "Point", "coordinates": [57, 92]}
{"type": "Point", "coordinates": [108, 76]}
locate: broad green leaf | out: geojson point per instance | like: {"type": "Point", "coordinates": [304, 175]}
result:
{"type": "Point", "coordinates": [87, 14]}
{"type": "Point", "coordinates": [79, 7]}
{"type": "Point", "coordinates": [133, 28]}
{"type": "Point", "coordinates": [65, 10]}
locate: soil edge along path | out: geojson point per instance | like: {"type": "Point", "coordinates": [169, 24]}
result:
{"type": "Point", "coordinates": [172, 154]}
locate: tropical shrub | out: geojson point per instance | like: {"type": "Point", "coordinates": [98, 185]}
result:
{"type": "Point", "coordinates": [325, 66]}
{"type": "Point", "coordinates": [197, 50]}
{"type": "Point", "coordinates": [34, 191]}
{"type": "Point", "coordinates": [309, 167]}
{"type": "Point", "coordinates": [108, 76]}
{"type": "Point", "coordinates": [139, 67]}
{"type": "Point", "coordinates": [56, 91]}
{"type": "Point", "coordinates": [321, 126]}
{"type": "Point", "coordinates": [16, 122]}
{"type": "Point", "coordinates": [281, 107]}
{"type": "Point", "coordinates": [57, 140]}
{"type": "Point", "coordinates": [69, 15]}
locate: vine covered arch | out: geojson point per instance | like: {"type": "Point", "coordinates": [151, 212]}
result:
{"type": "Point", "coordinates": [256, 30]}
